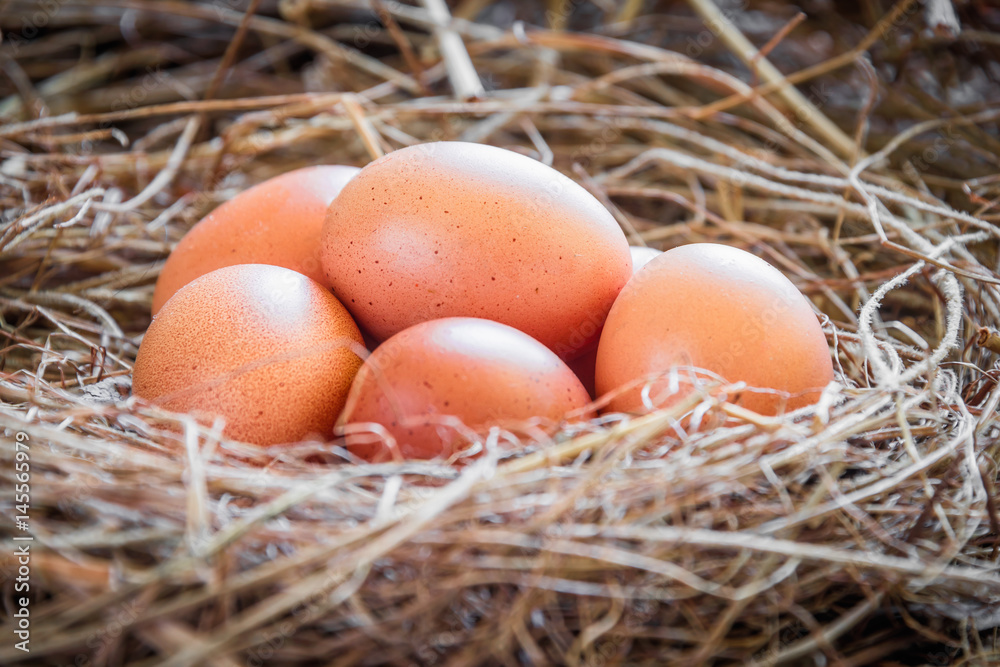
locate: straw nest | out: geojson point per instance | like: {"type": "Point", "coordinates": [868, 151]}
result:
{"type": "Point", "coordinates": [864, 529]}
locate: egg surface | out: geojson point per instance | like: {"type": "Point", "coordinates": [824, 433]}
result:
{"type": "Point", "coordinates": [275, 222]}
{"type": "Point", "coordinates": [267, 349]}
{"type": "Point", "coordinates": [720, 309]}
{"type": "Point", "coordinates": [482, 373]}
{"type": "Point", "coordinates": [453, 229]}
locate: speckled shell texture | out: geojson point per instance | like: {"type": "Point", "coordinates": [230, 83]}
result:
{"type": "Point", "coordinates": [481, 372]}
{"type": "Point", "coordinates": [721, 309]}
{"type": "Point", "coordinates": [266, 348]}
{"type": "Point", "coordinates": [456, 229]}
{"type": "Point", "coordinates": [275, 222]}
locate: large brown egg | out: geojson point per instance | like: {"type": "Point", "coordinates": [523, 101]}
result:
{"type": "Point", "coordinates": [275, 222]}
{"type": "Point", "coordinates": [453, 229]}
{"type": "Point", "coordinates": [428, 382]}
{"type": "Point", "coordinates": [716, 308]}
{"type": "Point", "coordinates": [269, 350]}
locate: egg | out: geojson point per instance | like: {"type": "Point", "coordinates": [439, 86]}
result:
{"type": "Point", "coordinates": [268, 349]}
{"type": "Point", "coordinates": [585, 365]}
{"type": "Point", "coordinates": [275, 222]}
{"type": "Point", "coordinates": [720, 309]}
{"type": "Point", "coordinates": [453, 229]}
{"type": "Point", "coordinates": [481, 373]}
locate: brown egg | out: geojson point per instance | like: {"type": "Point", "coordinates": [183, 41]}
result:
{"type": "Point", "coordinates": [716, 308]}
{"type": "Point", "coordinates": [453, 229]}
{"type": "Point", "coordinates": [267, 349]}
{"type": "Point", "coordinates": [585, 365]}
{"type": "Point", "coordinates": [482, 373]}
{"type": "Point", "coordinates": [275, 222]}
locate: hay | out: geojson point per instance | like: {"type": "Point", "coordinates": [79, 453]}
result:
{"type": "Point", "coordinates": [863, 529]}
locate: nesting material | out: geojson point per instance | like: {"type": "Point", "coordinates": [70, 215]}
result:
{"type": "Point", "coordinates": [863, 528]}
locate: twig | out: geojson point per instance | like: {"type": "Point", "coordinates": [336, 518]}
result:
{"type": "Point", "coordinates": [404, 45]}
{"type": "Point", "coordinates": [940, 16]}
{"type": "Point", "coordinates": [369, 135]}
{"type": "Point", "coordinates": [830, 632]}
{"type": "Point", "coordinates": [777, 38]}
{"type": "Point", "coordinates": [989, 339]}
{"type": "Point", "coordinates": [164, 176]}
{"type": "Point", "coordinates": [230, 55]}
{"type": "Point", "coordinates": [720, 24]}
{"type": "Point", "coordinates": [465, 82]}
{"type": "Point", "coordinates": [843, 60]}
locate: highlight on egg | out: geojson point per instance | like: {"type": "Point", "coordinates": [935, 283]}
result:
{"type": "Point", "coordinates": [275, 222]}
{"type": "Point", "coordinates": [431, 385]}
{"type": "Point", "coordinates": [721, 309]}
{"type": "Point", "coordinates": [269, 350]}
{"type": "Point", "coordinates": [453, 229]}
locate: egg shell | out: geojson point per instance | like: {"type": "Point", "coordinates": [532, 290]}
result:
{"type": "Point", "coordinates": [721, 309]}
{"type": "Point", "coordinates": [268, 349]}
{"type": "Point", "coordinates": [452, 229]}
{"type": "Point", "coordinates": [482, 372]}
{"type": "Point", "coordinates": [275, 222]}
{"type": "Point", "coordinates": [585, 365]}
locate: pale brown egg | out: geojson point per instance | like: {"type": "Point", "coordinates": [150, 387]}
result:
{"type": "Point", "coordinates": [453, 229]}
{"type": "Point", "coordinates": [716, 308]}
{"type": "Point", "coordinates": [275, 222]}
{"type": "Point", "coordinates": [429, 382]}
{"type": "Point", "coordinates": [585, 365]}
{"type": "Point", "coordinates": [269, 350]}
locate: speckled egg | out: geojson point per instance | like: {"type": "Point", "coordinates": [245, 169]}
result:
{"type": "Point", "coordinates": [716, 308]}
{"type": "Point", "coordinates": [452, 229]}
{"type": "Point", "coordinates": [423, 383]}
{"type": "Point", "coordinates": [269, 350]}
{"type": "Point", "coordinates": [275, 222]}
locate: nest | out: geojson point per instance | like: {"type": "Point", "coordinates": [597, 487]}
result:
{"type": "Point", "coordinates": [857, 152]}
